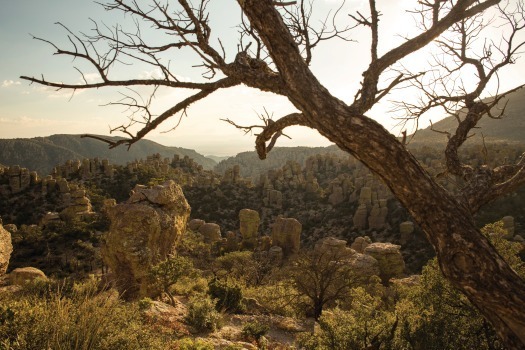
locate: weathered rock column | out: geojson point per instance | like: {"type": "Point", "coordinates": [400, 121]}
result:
{"type": "Point", "coordinates": [391, 263]}
{"type": "Point", "coordinates": [249, 226]}
{"type": "Point", "coordinates": [286, 233]}
{"type": "Point", "coordinates": [144, 231]}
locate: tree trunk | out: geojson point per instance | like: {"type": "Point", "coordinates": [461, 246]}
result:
{"type": "Point", "coordinates": [318, 309]}
{"type": "Point", "coordinates": [465, 256]}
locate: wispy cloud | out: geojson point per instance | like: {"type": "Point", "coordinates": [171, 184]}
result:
{"type": "Point", "coordinates": [8, 83]}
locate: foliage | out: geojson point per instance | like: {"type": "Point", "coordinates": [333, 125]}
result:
{"type": "Point", "coordinates": [144, 303]}
{"type": "Point", "coordinates": [192, 245]}
{"type": "Point", "coordinates": [191, 344]}
{"type": "Point", "coordinates": [169, 271]}
{"type": "Point", "coordinates": [244, 266]}
{"type": "Point", "coordinates": [278, 297]}
{"type": "Point", "coordinates": [238, 265]}
{"type": "Point", "coordinates": [322, 277]}
{"type": "Point", "coordinates": [79, 318]}
{"type": "Point", "coordinates": [434, 315]}
{"type": "Point", "coordinates": [193, 285]}
{"type": "Point", "coordinates": [229, 294]}
{"type": "Point", "coordinates": [202, 314]}
{"type": "Point", "coordinates": [428, 315]}
{"type": "Point", "coordinates": [366, 325]}
{"type": "Point", "coordinates": [254, 330]}
{"type": "Point", "coordinates": [60, 249]}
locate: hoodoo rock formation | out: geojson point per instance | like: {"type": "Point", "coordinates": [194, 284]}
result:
{"type": "Point", "coordinates": [144, 231]}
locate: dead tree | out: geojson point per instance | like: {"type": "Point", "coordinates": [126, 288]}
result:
{"type": "Point", "coordinates": [276, 45]}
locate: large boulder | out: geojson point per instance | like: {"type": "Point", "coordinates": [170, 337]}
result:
{"type": "Point", "coordinates": [389, 258]}
{"type": "Point", "coordinates": [211, 232]}
{"type": "Point", "coordinates": [6, 248]}
{"type": "Point", "coordinates": [194, 224]}
{"type": "Point", "coordinates": [23, 275]}
{"type": "Point", "coordinates": [144, 231]}
{"type": "Point", "coordinates": [364, 265]}
{"type": "Point", "coordinates": [286, 233]}
{"type": "Point", "coordinates": [333, 247]}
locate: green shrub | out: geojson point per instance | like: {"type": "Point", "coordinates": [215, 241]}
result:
{"type": "Point", "coordinates": [197, 344]}
{"type": "Point", "coordinates": [188, 286]}
{"type": "Point", "coordinates": [144, 303]}
{"type": "Point", "coordinates": [228, 294]}
{"type": "Point", "coordinates": [169, 271]}
{"type": "Point", "coordinates": [254, 330]}
{"type": "Point", "coordinates": [202, 314]}
{"type": "Point", "coordinates": [79, 319]}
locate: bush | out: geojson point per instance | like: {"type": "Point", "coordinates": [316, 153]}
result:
{"type": "Point", "coordinates": [228, 294]}
{"type": "Point", "coordinates": [144, 303]}
{"type": "Point", "coordinates": [80, 319]}
{"type": "Point", "coordinates": [189, 286]}
{"type": "Point", "coordinates": [254, 330]}
{"type": "Point", "coordinates": [203, 315]}
{"type": "Point", "coordinates": [191, 344]}
{"type": "Point", "coordinates": [169, 271]}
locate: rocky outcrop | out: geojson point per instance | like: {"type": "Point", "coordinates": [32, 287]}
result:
{"type": "Point", "coordinates": [360, 244]}
{"type": "Point", "coordinates": [19, 178]}
{"type": "Point", "coordinates": [23, 275]}
{"type": "Point", "coordinates": [6, 248]}
{"type": "Point", "coordinates": [286, 233]}
{"type": "Point", "coordinates": [195, 224]}
{"type": "Point", "coordinates": [377, 218]}
{"type": "Point", "coordinates": [406, 232]}
{"type": "Point", "coordinates": [76, 201]}
{"type": "Point", "coordinates": [273, 199]}
{"type": "Point", "coordinates": [333, 246]}
{"type": "Point", "coordinates": [249, 225]}
{"type": "Point", "coordinates": [144, 231]}
{"type": "Point", "coordinates": [363, 265]}
{"type": "Point", "coordinates": [360, 217]}
{"type": "Point", "coordinates": [48, 218]}
{"type": "Point", "coordinates": [211, 232]}
{"type": "Point", "coordinates": [391, 263]}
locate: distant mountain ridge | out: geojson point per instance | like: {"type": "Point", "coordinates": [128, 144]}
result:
{"type": "Point", "coordinates": [251, 166]}
{"type": "Point", "coordinates": [510, 129]}
{"type": "Point", "coordinates": [44, 153]}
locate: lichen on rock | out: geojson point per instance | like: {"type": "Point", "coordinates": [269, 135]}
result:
{"type": "Point", "coordinates": [144, 231]}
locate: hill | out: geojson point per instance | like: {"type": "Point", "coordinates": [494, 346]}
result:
{"type": "Point", "coordinates": [43, 153]}
{"type": "Point", "coordinates": [510, 129]}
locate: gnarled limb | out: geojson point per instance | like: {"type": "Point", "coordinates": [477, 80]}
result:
{"type": "Point", "coordinates": [271, 130]}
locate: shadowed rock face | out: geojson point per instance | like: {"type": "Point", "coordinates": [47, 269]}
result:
{"type": "Point", "coordinates": [6, 248]}
{"type": "Point", "coordinates": [144, 231]}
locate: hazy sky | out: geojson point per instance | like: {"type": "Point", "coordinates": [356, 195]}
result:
{"type": "Point", "coordinates": [31, 110]}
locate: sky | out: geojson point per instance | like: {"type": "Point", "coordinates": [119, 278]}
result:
{"type": "Point", "coordinates": [31, 110]}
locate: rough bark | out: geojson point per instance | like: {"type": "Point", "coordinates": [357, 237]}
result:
{"type": "Point", "coordinates": [466, 258]}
